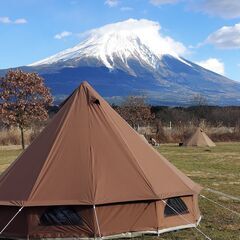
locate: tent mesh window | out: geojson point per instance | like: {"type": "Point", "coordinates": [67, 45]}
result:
{"type": "Point", "coordinates": [174, 207]}
{"type": "Point", "coordinates": [60, 216]}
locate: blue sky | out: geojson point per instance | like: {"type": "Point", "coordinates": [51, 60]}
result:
{"type": "Point", "coordinates": [31, 30]}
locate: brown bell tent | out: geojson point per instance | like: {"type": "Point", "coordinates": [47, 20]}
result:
{"type": "Point", "coordinates": [199, 139]}
{"type": "Point", "coordinates": [88, 175]}
{"type": "Point", "coordinates": [143, 138]}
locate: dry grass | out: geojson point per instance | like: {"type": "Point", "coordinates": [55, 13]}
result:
{"type": "Point", "coordinates": [7, 155]}
{"type": "Point", "coordinates": [180, 133]}
{"type": "Point", "coordinates": [12, 136]}
{"type": "Point", "coordinates": [9, 137]}
{"type": "Point", "coordinates": [165, 135]}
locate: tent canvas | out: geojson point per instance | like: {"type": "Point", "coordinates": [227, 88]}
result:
{"type": "Point", "coordinates": [199, 139]}
{"type": "Point", "coordinates": [90, 174]}
{"type": "Point", "coordinates": [143, 138]}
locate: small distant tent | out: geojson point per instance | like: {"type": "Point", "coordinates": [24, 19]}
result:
{"type": "Point", "coordinates": [199, 139]}
{"type": "Point", "coordinates": [89, 175]}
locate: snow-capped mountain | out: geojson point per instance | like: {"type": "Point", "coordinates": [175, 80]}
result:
{"type": "Point", "coordinates": [114, 45]}
{"type": "Point", "coordinates": [132, 57]}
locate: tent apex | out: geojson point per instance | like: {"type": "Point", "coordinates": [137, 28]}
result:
{"type": "Point", "coordinates": [85, 84]}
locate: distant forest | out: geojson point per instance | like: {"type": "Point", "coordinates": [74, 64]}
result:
{"type": "Point", "coordinates": [213, 115]}
{"type": "Point", "coordinates": [228, 116]}
{"type": "Point", "coordinates": [165, 124]}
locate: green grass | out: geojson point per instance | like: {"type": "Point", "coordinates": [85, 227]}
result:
{"type": "Point", "coordinates": [6, 157]}
{"type": "Point", "coordinates": [215, 168]}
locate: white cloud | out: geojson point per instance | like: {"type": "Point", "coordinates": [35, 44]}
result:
{"type": "Point", "coordinates": [213, 64]}
{"type": "Point", "coordinates": [221, 8]}
{"type": "Point", "coordinates": [20, 21]}
{"type": "Point", "coordinates": [62, 35]}
{"type": "Point", "coordinates": [162, 2]}
{"type": "Point", "coordinates": [112, 3]}
{"type": "Point", "coordinates": [7, 20]}
{"type": "Point", "coordinates": [225, 37]}
{"type": "Point", "coordinates": [146, 30]}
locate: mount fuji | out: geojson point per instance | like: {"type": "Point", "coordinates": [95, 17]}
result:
{"type": "Point", "coordinates": [132, 58]}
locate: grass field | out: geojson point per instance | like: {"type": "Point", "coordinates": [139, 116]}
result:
{"type": "Point", "coordinates": [216, 168]}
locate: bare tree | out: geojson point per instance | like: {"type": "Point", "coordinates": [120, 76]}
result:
{"type": "Point", "coordinates": [24, 98]}
{"type": "Point", "coordinates": [135, 111]}
{"type": "Point", "coordinates": [199, 100]}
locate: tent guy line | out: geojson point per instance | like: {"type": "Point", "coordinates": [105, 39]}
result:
{"type": "Point", "coordinates": [200, 231]}
{"type": "Point", "coordinates": [95, 212]}
{"type": "Point", "coordinates": [222, 194]}
{"type": "Point", "coordinates": [11, 220]}
{"type": "Point", "coordinates": [220, 205]}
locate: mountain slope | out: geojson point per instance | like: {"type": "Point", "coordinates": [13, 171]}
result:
{"type": "Point", "coordinates": [129, 58]}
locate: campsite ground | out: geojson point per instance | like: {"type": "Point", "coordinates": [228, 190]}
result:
{"type": "Point", "coordinates": [216, 168]}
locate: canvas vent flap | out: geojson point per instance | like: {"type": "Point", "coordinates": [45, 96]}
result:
{"type": "Point", "coordinates": [175, 206]}
{"type": "Point", "coordinates": [60, 216]}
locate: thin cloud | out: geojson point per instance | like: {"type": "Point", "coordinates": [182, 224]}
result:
{"type": "Point", "coordinates": [7, 20]}
{"type": "Point", "coordinates": [125, 9]}
{"type": "Point", "coordinates": [62, 35]}
{"type": "Point", "coordinates": [20, 21]}
{"type": "Point", "coordinates": [220, 8]}
{"type": "Point", "coordinates": [112, 3]}
{"type": "Point", "coordinates": [163, 2]}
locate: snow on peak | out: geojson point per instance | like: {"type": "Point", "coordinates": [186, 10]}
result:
{"type": "Point", "coordinates": [130, 39]}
